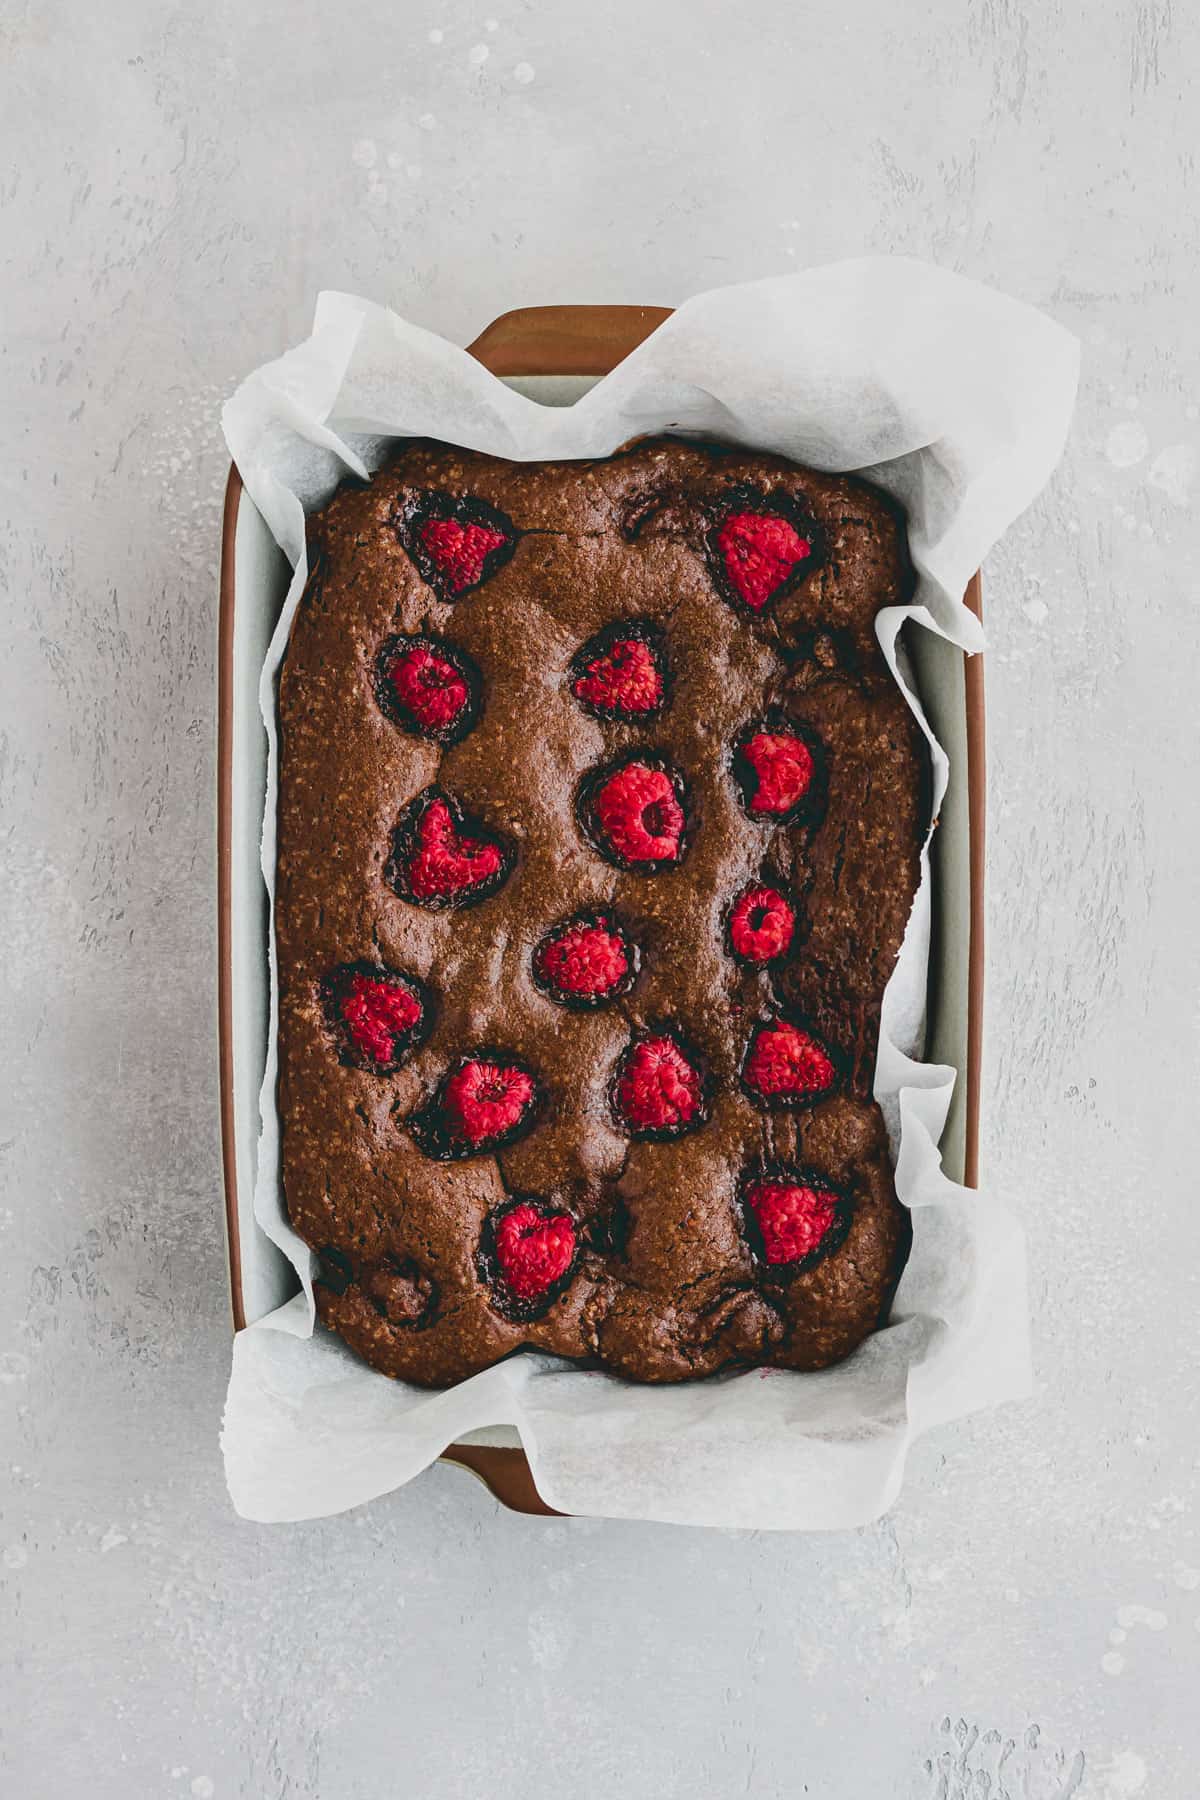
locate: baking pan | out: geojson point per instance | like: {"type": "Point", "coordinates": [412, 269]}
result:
{"type": "Point", "coordinates": [553, 354]}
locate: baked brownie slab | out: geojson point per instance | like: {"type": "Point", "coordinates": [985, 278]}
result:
{"type": "Point", "coordinates": [599, 825]}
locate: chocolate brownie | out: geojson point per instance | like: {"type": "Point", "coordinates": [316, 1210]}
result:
{"type": "Point", "coordinates": [599, 826]}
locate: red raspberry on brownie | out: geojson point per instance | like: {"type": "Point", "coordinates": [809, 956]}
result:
{"type": "Point", "coordinates": [761, 925]}
{"type": "Point", "coordinates": [585, 961]}
{"type": "Point", "coordinates": [776, 770]}
{"type": "Point", "coordinates": [634, 813]}
{"type": "Point", "coordinates": [441, 857]}
{"type": "Point", "coordinates": [620, 673]}
{"type": "Point", "coordinates": [487, 1100]}
{"type": "Point", "coordinates": [786, 1065]}
{"type": "Point", "coordinates": [760, 550]}
{"type": "Point", "coordinates": [659, 1090]}
{"type": "Point", "coordinates": [483, 1101]}
{"type": "Point", "coordinates": [794, 1219]}
{"type": "Point", "coordinates": [534, 1249]}
{"type": "Point", "coordinates": [428, 687]}
{"type": "Point", "coordinates": [378, 1014]}
{"type": "Point", "coordinates": [456, 543]}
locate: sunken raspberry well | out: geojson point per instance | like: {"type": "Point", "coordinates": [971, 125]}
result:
{"type": "Point", "coordinates": [621, 673]}
{"type": "Point", "coordinates": [377, 1015]}
{"type": "Point", "coordinates": [660, 1089]}
{"type": "Point", "coordinates": [442, 857]}
{"type": "Point", "coordinates": [526, 1255]}
{"type": "Point", "coordinates": [786, 1065]}
{"type": "Point", "coordinates": [429, 687]}
{"type": "Point", "coordinates": [760, 549]}
{"type": "Point", "coordinates": [586, 961]}
{"type": "Point", "coordinates": [762, 923]}
{"type": "Point", "coordinates": [635, 812]}
{"type": "Point", "coordinates": [487, 1100]}
{"type": "Point", "coordinates": [457, 543]}
{"type": "Point", "coordinates": [779, 772]}
{"type": "Point", "coordinates": [793, 1218]}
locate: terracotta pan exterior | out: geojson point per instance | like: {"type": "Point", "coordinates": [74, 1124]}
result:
{"type": "Point", "coordinates": [540, 340]}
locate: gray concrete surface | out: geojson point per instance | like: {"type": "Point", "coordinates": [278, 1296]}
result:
{"type": "Point", "coordinates": [177, 183]}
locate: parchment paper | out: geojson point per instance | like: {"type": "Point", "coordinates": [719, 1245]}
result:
{"type": "Point", "coordinates": [957, 400]}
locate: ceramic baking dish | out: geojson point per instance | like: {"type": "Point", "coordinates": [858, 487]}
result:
{"type": "Point", "coordinates": [553, 354]}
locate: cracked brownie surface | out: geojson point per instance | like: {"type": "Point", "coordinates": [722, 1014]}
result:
{"type": "Point", "coordinates": [598, 831]}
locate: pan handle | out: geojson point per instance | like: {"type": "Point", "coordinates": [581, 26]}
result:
{"type": "Point", "coordinates": [505, 1474]}
{"type": "Point", "coordinates": [564, 340]}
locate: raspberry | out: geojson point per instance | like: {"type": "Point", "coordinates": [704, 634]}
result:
{"type": "Point", "coordinates": [777, 769]}
{"type": "Point", "coordinates": [584, 961]}
{"type": "Point", "coordinates": [797, 1222]}
{"type": "Point", "coordinates": [380, 1013]}
{"type": "Point", "coordinates": [636, 814]}
{"type": "Point", "coordinates": [459, 551]}
{"type": "Point", "coordinates": [786, 1066]}
{"type": "Point", "coordinates": [483, 1101]}
{"type": "Point", "coordinates": [534, 1249]}
{"type": "Point", "coordinates": [658, 1092]}
{"type": "Point", "coordinates": [618, 674]}
{"type": "Point", "coordinates": [440, 858]}
{"type": "Point", "coordinates": [377, 1013]}
{"type": "Point", "coordinates": [456, 543]}
{"type": "Point", "coordinates": [761, 924]}
{"type": "Point", "coordinates": [759, 553]}
{"type": "Point", "coordinates": [488, 1099]}
{"type": "Point", "coordinates": [428, 687]}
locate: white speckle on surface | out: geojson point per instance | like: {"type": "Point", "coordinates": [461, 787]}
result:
{"type": "Point", "coordinates": [1012, 1595]}
{"type": "Point", "coordinates": [1186, 1577]}
{"type": "Point", "coordinates": [1131, 403]}
{"type": "Point", "coordinates": [14, 1367]}
{"type": "Point", "coordinates": [395, 160]}
{"type": "Point", "coordinates": [427, 121]}
{"type": "Point", "coordinates": [1149, 1616]}
{"type": "Point", "coordinates": [15, 1556]}
{"type": "Point", "coordinates": [1120, 1778]}
{"type": "Point", "coordinates": [491, 24]}
{"type": "Point", "coordinates": [203, 1787]}
{"type": "Point", "coordinates": [1112, 1662]}
{"type": "Point", "coordinates": [477, 55]}
{"type": "Point", "coordinates": [1117, 1636]}
{"type": "Point", "coordinates": [549, 1637]}
{"type": "Point", "coordinates": [112, 1540]}
{"type": "Point", "coordinates": [1126, 444]}
{"type": "Point", "coordinates": [436, 35]}
{"type": "Point", "coordinates": [1173, 471]}
{"type": "Point", "coordinates": [524, 73]}
{"type": "Point", "coordinates": [364, 153]}
{"type": "Point", "coordinates": [927, 1676]}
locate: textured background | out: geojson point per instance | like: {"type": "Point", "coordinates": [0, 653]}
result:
{"type": "Point", "coordinates": [177, 182]}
